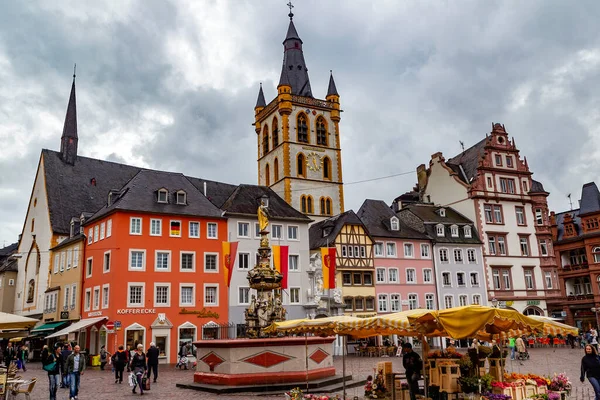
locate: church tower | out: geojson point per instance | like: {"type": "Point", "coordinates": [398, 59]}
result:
{"type": "Point", "coordinates": [69, 138]}
{"type": "Point", "coordinates": [299, 154]}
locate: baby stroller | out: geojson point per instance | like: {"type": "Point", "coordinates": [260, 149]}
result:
{"type": "Point", "coordinates": [183, 362]}
{"type": "Point", "coordinates": [523, 355]}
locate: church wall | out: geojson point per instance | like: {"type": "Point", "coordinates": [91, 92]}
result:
{"type": "Point", "coordinates": [36, 225]}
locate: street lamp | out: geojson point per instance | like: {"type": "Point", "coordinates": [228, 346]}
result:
{"type": "Point", "coordinates": [495, 302]}
{"type": "Point", "coordinates": [595, 311]}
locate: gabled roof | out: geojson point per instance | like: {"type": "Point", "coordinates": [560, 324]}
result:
{"type": "Point", "coordinates": [429, 214]}
{"type": "Point", "coordinates": [9, 265]}
{"type": "Point", "coordinates": [8, 250]}
{"type": "Point", "coordinates": [376, 216]}
{"type": "Point", "coordinates": [590, 199]}
{"type": "Point", "coordinates": [216, 192]}
{"type": "Point", "coordinates": [334, 226]}
{"type": "Point", "coordinates": [245, 200]}
{"type": "Point", "coordinates": [468, 160]}
{"type": "Point", "coordinates": [76, 238]}
{"type": "Point", "coordinates": [82, 187]}
{"type": "Point", "coordinates": [140, 195]}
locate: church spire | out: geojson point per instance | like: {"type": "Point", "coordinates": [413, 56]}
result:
{"type": "Point", "coordinates": [68, 141]}
{"type": "Point", "coordinates": [260, 102]}
{"type": "Point", "coordinates": [331, 89]}
{"type": "Point", "coordinates": [294, 66]}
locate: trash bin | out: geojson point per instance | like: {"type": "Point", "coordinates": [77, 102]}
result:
{"type": "Point", "coordinates": [96, 361]}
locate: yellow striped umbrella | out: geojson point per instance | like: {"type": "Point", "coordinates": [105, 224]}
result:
{"type": "Point", "coordinates": [386, 324]}
{"type": "Point", "coordinates": [550, 327]}
{"type": "Point", "coordinates": [320, 326]}
{"type": "Point", "coordinates": [471, 321]}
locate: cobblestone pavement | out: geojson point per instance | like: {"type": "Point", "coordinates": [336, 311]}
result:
{"type": "Point", "coordinates": [96, 384]}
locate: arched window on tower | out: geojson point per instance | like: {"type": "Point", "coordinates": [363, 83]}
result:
{"type": "Point", "coordinates": [265, 140]}
{"type": "Point", "coordinates": [326, 168]}
{"type": "Point", "coordinates": [309, 205]}
{"type": "Point", "coordinates": [300, 164]}
{"type": "Point", "coordinates": [267, 175]}
{"type": "Point", "coordinates": [321, 131]}
{"type": "Point", "coordinates": [275, 130]}
{"type": "Point", "coordinates": [275, 170]}
{"type": "Point", "coordinates": [302, 128]}
{"type": "Point", "coordinates": [303, 203]}
{"type": "Point", "coordinates": [328, 206]}
{"type": "Point", "coordinates": [322, 203]}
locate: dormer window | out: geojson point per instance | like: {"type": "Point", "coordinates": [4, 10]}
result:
{"type": "Point", "coordinates": [181, 197]}
{"type": "Point", "coordinates": [442, 212]}
{"type": "Point", "coordinates": [440, 229]}
{"type": "Point", "coordinates": [468, 231]}
{"type": "Point", "coordinates": [72, 230]}
{"type": "Point", "coordinates": [454, 231]}
{"type": "Point", "coordinates": [163, 196]}
{"type": "Point", "coordinates": [395, 224]}
{"type": "Point", "coordinates": [326, 232]}
{"type": "Point", "coordinates": [110, 199]}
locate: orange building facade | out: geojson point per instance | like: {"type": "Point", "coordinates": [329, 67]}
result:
{"type": "Point", "coordinates": [156, 277]}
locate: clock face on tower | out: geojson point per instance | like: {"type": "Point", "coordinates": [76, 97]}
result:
{"type": "Point", "coordinates": [314, 161]}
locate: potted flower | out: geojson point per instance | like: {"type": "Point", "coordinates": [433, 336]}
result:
{"type": "Point", "coordinates": [469, 384]}
{"type": "Point", "coordinates": [561, 384]}
{"type": "Point", "coordinates": [465, 365]}
{"type": "Point", "coordinates": [496, 396]}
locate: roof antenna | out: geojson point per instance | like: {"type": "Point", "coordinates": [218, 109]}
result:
{"type": "Point", "coordinates": [291, 14]}
{"type": "Point", "coordinates": [570, 202]}
{"type": "Point", "coordinates": [462, 145]}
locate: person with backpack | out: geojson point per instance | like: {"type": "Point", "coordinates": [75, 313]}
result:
{"type": "Point", "coordinates": [65, 353]}
{"type": "Point", "coordinates": [119, 361]}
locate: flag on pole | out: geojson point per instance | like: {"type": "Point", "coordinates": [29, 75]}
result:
{"type": "Point", "coordinates": [229, 253]}
{"type": "Point", "coordinates": [280, 262]}
{"type": "Point", "coordinates": [328, 265]}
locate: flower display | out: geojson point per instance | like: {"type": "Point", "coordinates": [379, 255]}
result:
{"type": "Point", "coordinates": [560, 383]}
{"type": "Point", "coordinates": [297, 394]}
{"type": "Point", "coordinates": [376, 389]}
{"type": "Point", "coordinates": [539, 380]}
{"type": "Point", "coordinates": [448, 353]}
{"type": "Point", "coordinates": [496, 396]}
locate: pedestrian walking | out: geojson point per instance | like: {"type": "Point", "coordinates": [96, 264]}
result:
{"type": "Point", "coordinates": [9, 354]}
{"type": "Point", "coordinates": [45, 353]}
{"type": "Point", "coordinates": [138, 367]}
{"type": "Point", "coordinates": [75, 368]}
{"type": "Point", "coordinates": [152, 354]}
{"type": "Point", "coordinates": [520, 346]}
{"type": "Point", "coordinates": [52, 364]}
{"type": "Point", "coordinates": [511, 346]}
{"type": "Point", "coordinates": [23, 356]}
{"type": "Point", "coordinates": [413, 365]}
{"type": "Point", "coordinates": [65, 353]}
{"type": "Point", "coordinates": [104, 357]}
{"type": "Point", "coordinates": [119, 360]}
{"type": "Point", "coordinates": [590, 367]}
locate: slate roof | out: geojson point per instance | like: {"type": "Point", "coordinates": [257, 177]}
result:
{"type": "Point", "coordinates": [431, 218]}
{"type": "Point", "coordinates": [216, 192]}
{"type": "Point", "coordinates": [8, 250]}
{"type": "Point", "coordinates": [294, 71]}
{"type": "Point", "coordinates": [376, 216]}
{"type": "Point", "coordinates": [334, 225]}
{"type": "Point", "coordinates": [70, 188]}
{"type": "Point", "coordinates": [469, 160]}
{"type": "Point", "coordinates": [68, 241]}
{"type": "Point", "coordinates": [245, 200]}
{"type": "Point", "coordinates": [140, 194]}
{"type": "Point", "coordinates": [9, 265]}
{"type": "Point", "coordinates": [590, 199]}
{"type": "Point", "coordinates": [260, 101]}
{"type": "Point", "coordinates": [536, 187]}
{"type": "Point", "coordinates": [560, 219]}
{"type": "Point", "coordinates": [331, 89]}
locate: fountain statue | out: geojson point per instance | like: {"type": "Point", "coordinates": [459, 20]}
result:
{"type": "Point", "coordinates": [265, 308]}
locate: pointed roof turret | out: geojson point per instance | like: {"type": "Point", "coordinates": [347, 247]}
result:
{"type": "Point", "coordinates": [260, 102]}
{"type": "Point", "coordinates": [294, 67]}
{"type": "Point", "coordinates": [331, 89]}
{"type": "Point", "coordinates": [69, 138]}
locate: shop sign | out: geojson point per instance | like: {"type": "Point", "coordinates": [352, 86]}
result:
{"type": "Point", "coordinates": [204, 313]}
{"type": "Point", "coordinates": [64, 315]}
{"type": "Point", "coordinates": [136, 311]}
{"type": "Point", "coordinates": [533, 302]}
{"type": "Point", "coordinates": [117, 325]}
{"type": "Point", "coordinates": [95, 314]}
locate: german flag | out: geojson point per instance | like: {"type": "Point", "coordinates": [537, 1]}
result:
{"type": "Point", "coordinates": [175, 228]}
{"type": "Point", "coordinates": [280, 262]}
{"type": "Point", "coordinates": [328, 265]}
{"type": "Point", "coordinates": [229, 253]}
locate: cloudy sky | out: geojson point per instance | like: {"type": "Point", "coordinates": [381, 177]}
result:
{"type": "Point", "coordinates": [172, 84]}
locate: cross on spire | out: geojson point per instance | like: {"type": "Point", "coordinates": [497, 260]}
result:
{"type": "Point", "coordinates": [291, 14]}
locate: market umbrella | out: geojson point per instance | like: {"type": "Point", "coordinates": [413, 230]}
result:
{"type": "Point", "coordinates": [386, 324]}
{"type": "Point", "coordinates": [15, 322]}
{"type": "Point", "coordinates": [321, 326]}
{"type": "Point", "coordinates": [471, 321]}
{"type": "Point", "coordinates": [550, 327]}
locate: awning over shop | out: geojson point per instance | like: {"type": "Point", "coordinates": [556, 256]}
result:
{"type": "Point", "coordinates": [16, 339]}
{"type": "Point", "coordinates": [15, 322]}
{"type": "Point", "coordinates": [81, 324]}
{"type": "Point", "coordinates": [50, 326]}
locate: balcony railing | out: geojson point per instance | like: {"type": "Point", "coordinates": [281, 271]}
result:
{"type": "Point", "coordinates": [589, 296]}
{"type": "Point", "coordinates": [576, 267]}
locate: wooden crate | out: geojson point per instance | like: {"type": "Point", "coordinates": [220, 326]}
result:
{"type": "Point", "coordinates": [449, 374]}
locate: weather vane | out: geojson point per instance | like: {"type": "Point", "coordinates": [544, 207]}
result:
{"type": "Point", "coordinates": [291, 14]}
